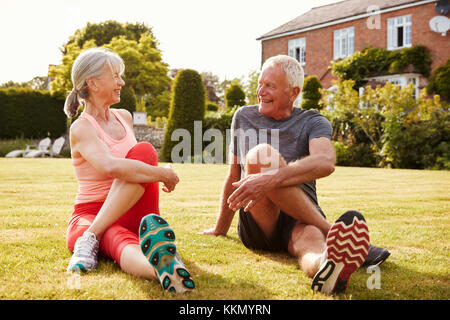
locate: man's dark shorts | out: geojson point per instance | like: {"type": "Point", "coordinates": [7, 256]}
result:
{"type": "Point", "coordinates": [253, 237]}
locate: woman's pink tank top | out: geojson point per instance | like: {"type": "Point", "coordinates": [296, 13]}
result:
{"type": "Point", "coordinates": [92, 185]}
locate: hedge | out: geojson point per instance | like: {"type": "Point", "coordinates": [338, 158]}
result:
{"type": "Point", "coordinates": [31, 114]}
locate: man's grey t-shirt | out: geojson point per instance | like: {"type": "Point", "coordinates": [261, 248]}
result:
{"type": "Point", "coordinates": [289, 136]}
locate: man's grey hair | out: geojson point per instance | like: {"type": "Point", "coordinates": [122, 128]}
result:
{"type": "Point", "coordinates": [292, 68]}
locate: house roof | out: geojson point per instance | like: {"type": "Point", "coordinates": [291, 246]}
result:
{"type": "Point", "coordinates": [333, 12]}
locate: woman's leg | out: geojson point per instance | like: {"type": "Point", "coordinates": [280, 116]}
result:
{"type": "Point", "coordinates": [132, 261]}
{"type": "Point", "coordinates": [121, 197]}
{"type": "Point", "coordinates": [124, 195]}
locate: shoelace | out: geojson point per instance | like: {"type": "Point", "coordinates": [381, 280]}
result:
{"type": "Point", "coordinates": [87, 245]}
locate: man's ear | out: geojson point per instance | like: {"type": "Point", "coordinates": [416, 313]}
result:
{"type": "Point", "coordinates": [294, 93]}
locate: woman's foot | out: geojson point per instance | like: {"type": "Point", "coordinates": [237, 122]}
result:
{"type": "Point", "coordinates": [157, 244]}
{"type": "Point", "coordinates": [85, 253]}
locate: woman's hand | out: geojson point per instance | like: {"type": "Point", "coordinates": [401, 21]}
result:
{"type": "Point", "coordinates": [170, 179]}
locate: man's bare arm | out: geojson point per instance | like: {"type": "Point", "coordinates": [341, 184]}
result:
{"type": "Point", "coordinates": [226, 214]}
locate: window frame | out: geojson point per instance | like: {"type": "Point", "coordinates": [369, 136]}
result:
{"type": "Point", "coordinates": [393, 24]}
{"type": "Point", "coordinates": [339, 35]}
{"type": "Point", "coordinates": [300, 44]}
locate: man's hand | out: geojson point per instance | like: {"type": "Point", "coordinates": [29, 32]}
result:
{"type": "Point", "coordinates": [251, 189]}
{"type": "Point", "coordinates": [211, 232]}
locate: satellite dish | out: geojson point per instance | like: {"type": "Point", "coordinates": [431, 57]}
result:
{"type": "Point", "coordinates": [440, 24]}
{"type": "Point", "coordinates": [442, 7]}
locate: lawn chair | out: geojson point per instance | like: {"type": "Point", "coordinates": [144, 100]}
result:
{"type": "Point", "coordinates": [54, 151]}
{"type": "Point", "coordinates": [44, 144]}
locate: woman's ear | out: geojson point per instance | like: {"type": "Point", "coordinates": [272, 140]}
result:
{"type": "Point", "coordinates": [91, 83]}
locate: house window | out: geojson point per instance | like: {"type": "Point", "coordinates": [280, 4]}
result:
{"type": "Point", "coordinates": [405, 81]}
{"type": "Point", "coordinates": [297, 49]}
{"type": "Point", "coordinates": [399, 32]}
{"type": "Point", "coordinates": [344, 40]}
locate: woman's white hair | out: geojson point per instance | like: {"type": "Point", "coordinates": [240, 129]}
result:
{"type": "Point", "coordinates": [89, 63]}
{"type": "Point", "coordinates": [292, 68]}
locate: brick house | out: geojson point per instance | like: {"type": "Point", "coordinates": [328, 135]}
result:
{"type": "Point", "coordinates": [327, 33]}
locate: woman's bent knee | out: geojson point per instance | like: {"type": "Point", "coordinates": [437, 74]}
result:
{"type": "Point", "coordinates": [145, 152]}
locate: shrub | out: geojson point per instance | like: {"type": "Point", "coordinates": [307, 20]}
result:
{"type": "Point", "coordinates": [439, 81]}
{"type": "Point", "coordinates": [234, 96]}
{"type": "Point", "coordinates": [370, 62]}
{"type": "Point", "coordinates": [211, 106]}
{"type": "Point", "coordinates": [420, 144]}
{"type": "Point", "coordinates": [355, 155]}
{"type": "Point", "coordinates": [29, 113]}
{"type": "Point", "coordinates": [187, 106]}
{"type": "Point", "coordinates": [311, 93]}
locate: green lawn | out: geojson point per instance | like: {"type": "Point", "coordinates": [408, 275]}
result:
{"type": "Point", "coordinates": [407, 212]}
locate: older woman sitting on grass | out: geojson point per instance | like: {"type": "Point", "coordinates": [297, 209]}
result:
{"type": "Point", "coordinates": [117, 205]}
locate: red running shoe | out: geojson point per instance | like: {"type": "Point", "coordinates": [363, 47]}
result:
{"type": "Point", "coordinates": [347, 248]}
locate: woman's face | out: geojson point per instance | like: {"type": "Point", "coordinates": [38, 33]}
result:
{"type": "Point", "coordinates": [108, 85]}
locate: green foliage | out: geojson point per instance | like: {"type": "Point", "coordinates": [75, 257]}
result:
{"type": "Point", "coordinates": [355, 155]}
{"type": "Point", "coordinates": [234, 96]}
{"type": "Point", "coordinates": [251, 87]}
{"type": "Point", "coordinates": [211, 106]}
{"type": "Point", "coordinates": [188, 105]}
{"type": "Point", "coordinates": [140, 105]}
{"type": "Point", "coordinates": [127, 99]}
{"type": "Point", "coordinates": [31, 114]}
{"type": "Point", "coordinates": [37, 83]}
{"type": "Point", "coordinates": [102, 33]}
{"type": "Point", "coordinates": [388, 127]}
{"type": "Point", "coordinates": [418, 143]}
{"type": "Point", "coordinates": [439, 82]}
{"type": "Point", "coordinates": [14, 144]}
{"type": "Point", "coordinates": [371, 62]}
{"type": "Point", "coordinates": [145, 71]}
{"type": "Point", "coordinates": [311, 93]}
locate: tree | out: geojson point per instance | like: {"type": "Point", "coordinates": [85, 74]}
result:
{"type": "Point", "coordinates": [234, 96]}
{"type": "Point", "coordinates": [211, 82]}
{"type": "Point", "coordinates": [102, 33]}
{"type": "Point", "coordinates": [251, 86]}
{"type": "Point", "coordinates": [145, 71]}
{"type": "Point", "coordinates": [37, 83]}
{"type": "Point", "coordinates": [127, 99]}
{"type": "Point", "coordinates": [187, 106]}
{"type": "Point", "coordinates": [311, 93]}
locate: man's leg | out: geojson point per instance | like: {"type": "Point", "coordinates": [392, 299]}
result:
{"type": "Point", "coordinates": [307, 243]}
{"type": "Point", "coordinates": [292, 200]}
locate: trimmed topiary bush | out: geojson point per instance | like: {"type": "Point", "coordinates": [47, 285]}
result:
{"type": "Point", "coordinates": [311, 93]}
{"type": "Point", "coordinates": [234, 96]}
{"type": "Point", "coordinates": [188, 105]}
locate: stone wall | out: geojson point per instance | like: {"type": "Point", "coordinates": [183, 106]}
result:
{"type": "Point", "coordinates": [155, 136]}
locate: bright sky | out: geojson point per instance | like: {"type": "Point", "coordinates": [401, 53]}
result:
{"type": "Point", "coordinates": [218, 36]}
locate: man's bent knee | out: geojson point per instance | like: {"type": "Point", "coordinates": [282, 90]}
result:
{"type": "Point", "coordinates": [262, 158]}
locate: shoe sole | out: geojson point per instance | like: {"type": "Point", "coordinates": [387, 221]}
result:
{"type": "Point", "coordinates": [156, 239]}
{"type": "Point", "coordinates": [348, 244]}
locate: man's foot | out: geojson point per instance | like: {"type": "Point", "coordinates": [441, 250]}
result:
{"type": "Point", "coordinates": [157, 244]}
{"type": "Point", "coordinates": [85, 253]}
{"type": "Point", "coordinates": [347, 248]}
{"type": "Point", "coordinates": [376, 256]}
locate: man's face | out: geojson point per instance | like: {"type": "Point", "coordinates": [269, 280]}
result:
{"type": "Point", "coordinates": [275, 96]}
